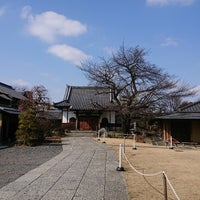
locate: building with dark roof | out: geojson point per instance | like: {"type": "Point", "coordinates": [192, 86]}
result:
{"type": "Point", "coordinates": [87, 108]}
{"type": "Point", "coordinates": [9, 99]}
{"type": "Point", "coordinates": [183, 125]}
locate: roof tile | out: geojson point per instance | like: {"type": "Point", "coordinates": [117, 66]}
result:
{"type": "Point", "coordinates": [87, 98]}
{"type": "Point", "coordinates": [10, 92]}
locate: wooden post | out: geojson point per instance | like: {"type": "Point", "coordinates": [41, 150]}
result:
{"type": "Point", "coordinates": [171, 143]}
{"type": "Point", "coordinates": [165, 186]}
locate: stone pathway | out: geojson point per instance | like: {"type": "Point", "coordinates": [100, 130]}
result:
{"type": "Point", "coordinates": [84, 170]}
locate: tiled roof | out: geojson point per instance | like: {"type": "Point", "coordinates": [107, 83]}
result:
{"type": "Point", "coordinates": [181, 115]}
{"type": "Point", "coordinates": [9, 92]}
{"type": "Point", "coordinates": [191, 111]}
{"type": "Point", "coordinates": [87, 98]}
{"type": "Point", "coordinates": [195, 107]}
{"type": "Point", "coordinates": [51, 115]}
{"type": "Point", "coordinates": [62, 104]}
{"type": "Point", "coordinates": [9, 110]}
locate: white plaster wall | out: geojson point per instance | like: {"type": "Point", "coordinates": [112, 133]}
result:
{"type": "Point", "coordinates": [110, 116]}
{"type": "Point", "coordinates": [66, 116]}
{"type": "Point", "coordinates": [71, 114]}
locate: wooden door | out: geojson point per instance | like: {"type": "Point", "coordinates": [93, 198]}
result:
{"type": "Point", "coordinates": [88, 123]}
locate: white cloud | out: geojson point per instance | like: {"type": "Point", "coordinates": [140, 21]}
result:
{"type": "Point", "coordinates": [2, 10]}
{"type": "Point", "coordinates": [69, 53]}
{"type": "Point", "coordinates": [26, 12]}
{"type": "Point", "coordinates": [48, 26]}
{"type": "Point", "coordinates": [21, 83]}
{"type": "Point", "coordinates": [169, 2]}
{"type": "Point", "coordinates": [169, 42]}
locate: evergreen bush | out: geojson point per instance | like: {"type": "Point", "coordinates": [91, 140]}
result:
{"type": "Point", "coordinates": [29, 131]}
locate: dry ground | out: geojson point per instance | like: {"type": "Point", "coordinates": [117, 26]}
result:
{"type": "Point", "coordinates": [182, 167]}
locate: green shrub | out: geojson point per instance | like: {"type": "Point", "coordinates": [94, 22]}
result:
{"type": "Point", "coordinates": [29, 131]}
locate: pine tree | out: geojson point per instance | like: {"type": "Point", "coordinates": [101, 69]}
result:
{"type": "Point", "coordinates": [29, 131]}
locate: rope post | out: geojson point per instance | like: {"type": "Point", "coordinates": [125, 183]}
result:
{"type": "Point", "coordinates": [171, 144]}
{"type": "Point", "coordinates": [98, 136]}
{"type": "Point", "coordinates": [134, 140]}
{"type": "Point", "coordinates": [104, 136]}
{"type": "Point", "coordinates": [165, 186]}
{"type": "Point", "coordinates": [120, 168]}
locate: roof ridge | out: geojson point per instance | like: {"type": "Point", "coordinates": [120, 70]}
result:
{"type": "Point", "coordinates": [68, 92]}
{"type": "Point", "coordinates": [189, 105]}
{"type": "Point", "coordinates": [88, 87]}
{"type": "Point", "coordinates": [5, 85]}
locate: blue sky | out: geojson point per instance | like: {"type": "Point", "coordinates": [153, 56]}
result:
{"type": "Point", "coordinates": [43, 41]}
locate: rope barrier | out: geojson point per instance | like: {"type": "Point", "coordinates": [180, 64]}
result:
{"type": "Point", "coordinates": [171, 186]}
{"type": "Point", "coordinates": [142, 174]}
{"type": "Point", "coordinates": [153, 174]}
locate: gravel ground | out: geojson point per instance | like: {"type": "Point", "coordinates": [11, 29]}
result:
{"type": "Point", "coordinates": [16, 161]}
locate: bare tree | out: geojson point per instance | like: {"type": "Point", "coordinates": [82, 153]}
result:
{"type": "Point", "coordinates": [41, 99]}
{"type": "Point", "coordinates": [138, 86]}
{"type": "Point", "coordinates": [36, 99]}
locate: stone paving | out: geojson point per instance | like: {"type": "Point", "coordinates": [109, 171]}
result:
{"type": "Point", "coordinates": [84, 170]}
